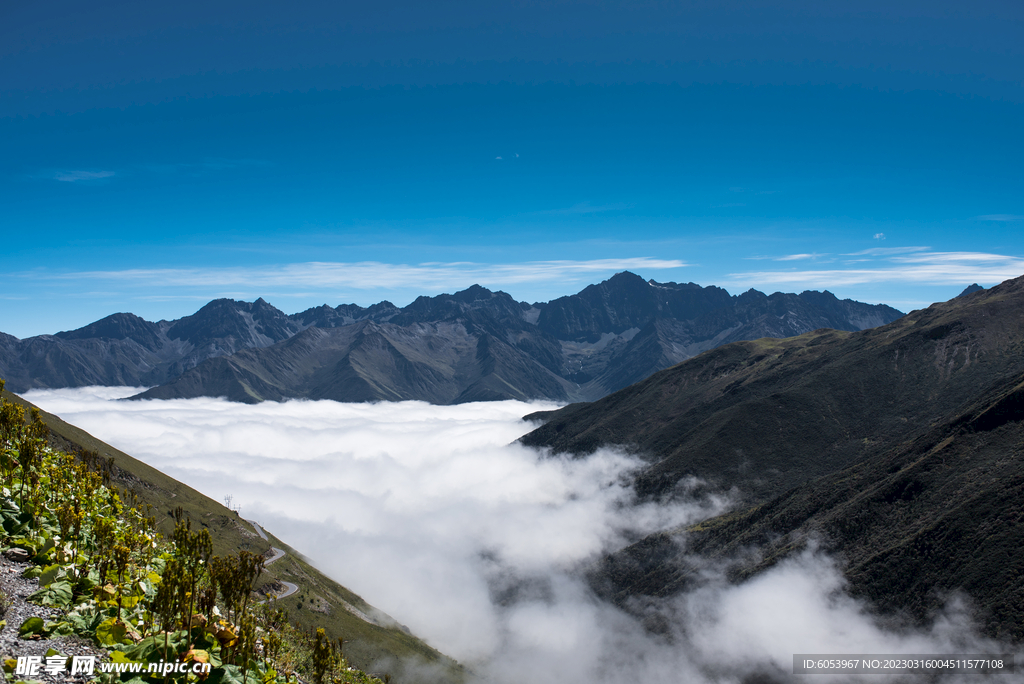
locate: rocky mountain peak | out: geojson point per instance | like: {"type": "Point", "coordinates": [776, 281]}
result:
{"type": "Point", "coordinates": [971, 288]}
{"type": "Point", "coordinates": [119, 326]}
{"type": "Point", "coordinates": [581, 346]}
{"type": "Point", "coordinates": [475, 293]}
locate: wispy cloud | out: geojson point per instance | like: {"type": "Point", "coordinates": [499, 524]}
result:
{"type": "Point", "coordinates": [956, 257]}
{"type": "Point", "coordinates": [886, 251]}
{"type": "Point", "coordinates": [77, 176]}
{"type": "Point", "coordinates": [210, 164]}
{"type": "Point", "coordinates": [798, 257]}
{"type": "Point", "coordinates": [1001, 217]}
{"type": "Point", "coordinates": [898, 265]}
{"type": "Point", "coordinates": [231, 295]}
{"type": "Point", "coordinates": [368, 275]}
{"type": "Point", "coordinates": [585, 208]}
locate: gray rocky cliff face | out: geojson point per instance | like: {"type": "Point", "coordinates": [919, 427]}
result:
{"type": "Point", "coordinates": [472, 345]}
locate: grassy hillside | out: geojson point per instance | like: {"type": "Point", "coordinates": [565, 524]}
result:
{"type": "Point", "coordinates": [373, 641]}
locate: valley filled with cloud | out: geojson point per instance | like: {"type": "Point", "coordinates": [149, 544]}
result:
{"type": "Point", "coordinates": [479, 545]}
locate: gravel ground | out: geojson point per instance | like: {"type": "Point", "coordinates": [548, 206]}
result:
{"type": "Point", "coordinates": [16, 588]}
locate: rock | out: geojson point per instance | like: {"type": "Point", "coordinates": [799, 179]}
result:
{"type": "Point", "coordinates": [18, 555]}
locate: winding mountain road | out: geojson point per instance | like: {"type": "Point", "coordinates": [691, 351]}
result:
{"type": "Point", "coordinates": [289, 588]}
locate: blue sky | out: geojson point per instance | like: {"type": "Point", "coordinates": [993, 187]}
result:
{"type": "Point", "coordinates": [154, 156]}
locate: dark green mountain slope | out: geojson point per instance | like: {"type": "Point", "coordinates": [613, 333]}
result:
{"type": "Point", "coordinates": [770, 413]}
{"type": "Point", "coordinates": [373, 641]}
{"type": "Point", "coordinates": [913, 524]}
{"type": "Point", "coordinates": [901, 449]}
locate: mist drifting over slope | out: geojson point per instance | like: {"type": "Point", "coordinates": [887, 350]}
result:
{"type": "Point", "coordinates": [476, 544]}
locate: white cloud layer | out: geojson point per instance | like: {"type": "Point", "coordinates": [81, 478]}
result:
{"type": "Point", "coordinates": [430, 514]}
{"type": "Point", "coordinates": [899, 265]}
{"type": "Point", "coordinates": [368, 275]}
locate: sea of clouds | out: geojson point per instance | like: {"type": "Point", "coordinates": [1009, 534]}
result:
{"type": "Point", "coordinates": [434, 515]}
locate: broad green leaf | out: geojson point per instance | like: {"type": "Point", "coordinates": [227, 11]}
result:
{"type": "Point", "coordinates": [119, 657]}
{"type": "Point", "coordinates": [16, 524]}
{"type": "Point", "coordinates": [226, 674]}
{"type": "Point", "coordinates": [24, 543]}
{"type": "Point", "coordinates": [110, 632]}
{"type": "Point", "coordinates": [34, 625]}
{"type": "Point", "coordinates": [151, 648]}
{"type": "Point", "coordinates": [57, 595]}
{"type": "Point", "coordinates": [81, 623]}
{"type": "Point", "coordinates": [33, 571]}
{"type": "Point", "coordinates": [63, 593]}
{"type": "Point", "coordinates": [62, 628]}
{"type": "Point", "coordinates": [136, 680]}
{"type": "Point", "coordinates": [51, 574]}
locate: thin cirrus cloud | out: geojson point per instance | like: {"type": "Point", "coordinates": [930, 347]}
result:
{"type": "Point", "coordinates": [887, 251]}
{"type": "Point", "coordinates": [1001, 217]}
{"type": "Point", "coordinates": [585, 208]}
{"type": "Point", "coordinates": [206, 165]}
{"type": "Point", "coordinates": [370, 275]}
{"type": "Point", "coordinates": [913, 265]}
{"type": "Point", "coordinates": [209, 165]}
{"type": "Point", "coordinates": [799, 257]}
{"type": "Point", "coordinates": [79, 176]}
{"type": "Point", "coordinates": [437, 516]}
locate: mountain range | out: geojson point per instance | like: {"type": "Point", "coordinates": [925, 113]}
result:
{"type": "Point", "coordinates": [897, 449]}
{"type": "Point", "coordinates": [473, 345]}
